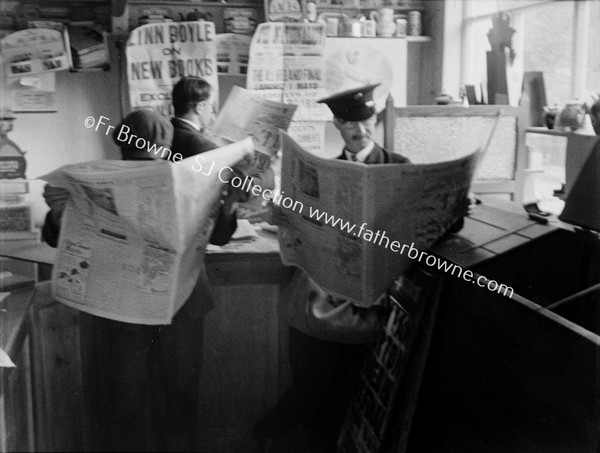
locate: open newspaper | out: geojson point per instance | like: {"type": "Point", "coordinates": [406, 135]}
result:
{"type": "Point", "coordinates": [248, 114]}
{"type": "Point", "coordinates": [354, 227]}
{"type": "Point", "coordinates": [134, 233]}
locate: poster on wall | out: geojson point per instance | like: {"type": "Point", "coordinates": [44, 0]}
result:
{"type": "Point", "coordinates": [232, 54]}
{"type": "Point", "coordinates": [158, 55]}
{"type": "Point", "coordinates": [35, 51]}
{"type": "Point", "coordinates": [33, 93]}
{"type": "Point", "coordinates": [287, 64]}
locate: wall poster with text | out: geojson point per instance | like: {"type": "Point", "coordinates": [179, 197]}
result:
{"type": "Point", "coordinates": [158, 55]}
{"type": "Point", "coordinates": [287, 64]}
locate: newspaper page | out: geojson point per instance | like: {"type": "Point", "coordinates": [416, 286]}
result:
{"type": "Point", "coordinates": [287, 64]}
{"type": "Point", "coordinates": [248, 114]}
{"type": "Point", "coordinates": [142, 226]}
{"type": "Point", "coordinates": [353, 227]}
{"type": "Point", "coordinates": [158, 55]}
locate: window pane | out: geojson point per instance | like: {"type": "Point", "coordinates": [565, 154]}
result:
{"type": "Point", "coordinates": [546, 34]}
{"type": "Point", "coordinates": [548, 47]}
{"type": "Point", "coordinates": [593, 61]}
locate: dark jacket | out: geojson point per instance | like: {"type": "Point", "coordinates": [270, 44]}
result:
{"type": "Point", "coordinates": [187, 141]}
{"type": "Point", "coordinates": [379, 155]}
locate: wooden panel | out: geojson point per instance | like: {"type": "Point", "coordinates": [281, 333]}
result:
{"type": "Point", "coordinates": [539, 408]}
{"type": "Point", "coordinates": [246, 269]}
{"type": "Point", "coordinates": [240, 381]}
{"type": "Point", "coordinates": [60, 363]}
{"type": "Point", "coordinates": [16, 404]}
{"type": "Point", "coordinates": [457, 111]}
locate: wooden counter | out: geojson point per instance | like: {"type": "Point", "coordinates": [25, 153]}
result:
{"type": "Point", "coordinates": [505, 373]}
{"type": "Point", "coordinates": [245, 363]}
{"type": "Point", "coordinates": [18, 409]}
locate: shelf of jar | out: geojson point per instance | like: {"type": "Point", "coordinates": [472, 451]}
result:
{"type": "Point", "coordinates": [418, 38]}
{"type": "Point", "coordinates": [223, 4]}
{"type": "Point", "coordinates": [409, 39]}
{"type": "Point", "coordinates": [363, 9]}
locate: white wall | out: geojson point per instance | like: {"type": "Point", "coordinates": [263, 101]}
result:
{"type": "Point", "coordinates": [51, 140]}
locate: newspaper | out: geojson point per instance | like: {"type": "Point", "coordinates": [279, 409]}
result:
{"type": "Point", "coordinates": [345, 223]}
{"type": "Point", "coordinates": [134, 233]}
{"type": "Point", "coordinates": [248, 114]}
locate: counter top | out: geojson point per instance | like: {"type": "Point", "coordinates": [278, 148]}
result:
{"type": "Point", "coordinates": [491, 229]}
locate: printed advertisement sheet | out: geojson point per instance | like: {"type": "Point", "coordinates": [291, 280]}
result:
{"type": "Point", "coordinates": [160, 54]}
{"type": "Point", "coordinates": [134, 233]}
{"type": "Point", "coordinates": [354, 228]}
{"type": "Point", "coordinates": [232, 54]}
{"type": "Point", "coordinates": [287, 63]}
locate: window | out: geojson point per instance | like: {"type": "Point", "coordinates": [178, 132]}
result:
{"type": "Point", "coordinates": [593, 57]}
{"type": "Point", "coordinates": [559, 38]}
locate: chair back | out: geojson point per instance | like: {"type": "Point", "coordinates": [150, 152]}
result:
{"type": "Point", "coordinates": [427, 134]}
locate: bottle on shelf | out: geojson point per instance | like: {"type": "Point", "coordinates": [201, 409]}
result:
{"type": "Point", "coordinates": [310, 12]}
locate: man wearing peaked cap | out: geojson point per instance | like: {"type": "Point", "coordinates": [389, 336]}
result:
{"type": "Point", "coordinates": [324, 367]}
{"type": "Point", "coordinates": [355, 117]}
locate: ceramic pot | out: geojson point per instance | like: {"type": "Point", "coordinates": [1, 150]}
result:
{"type": "Point", "coordinates": [571, 117]}
{"type": "Point", "coordinates": [386, 27]}
{"type": "Point", "coordinates": [351, 27]}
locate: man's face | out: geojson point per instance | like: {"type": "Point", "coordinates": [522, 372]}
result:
{"type": "Point", "coordinates": [206, 113]}
{"type": "Point", "coordinates": [356, 134]}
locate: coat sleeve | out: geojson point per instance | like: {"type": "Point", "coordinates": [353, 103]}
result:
{"type": "Point", "coordinates": [50, 231]}
{"type": "Point", "coordinates": [396, 158]}
{"type": "Point", "coordinates": [225, 226]}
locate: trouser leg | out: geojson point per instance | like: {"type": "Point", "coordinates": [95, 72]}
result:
{"type": "Point", "coordinates": [129, 349]}
{"type": "Point", "coordinates": [180, 359]}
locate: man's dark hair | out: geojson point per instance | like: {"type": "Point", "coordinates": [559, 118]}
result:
{"type": "Point", "coordinates": [595, 109]}
{"type": "Point", "coordinates": [187, 92]}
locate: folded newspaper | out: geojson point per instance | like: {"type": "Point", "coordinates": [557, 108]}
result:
{"type": "Point", "coordinates": [134, 233]}
{"type": "Point", "coordinates": [354, 228]}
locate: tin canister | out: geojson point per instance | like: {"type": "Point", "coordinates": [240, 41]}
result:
{"type": "Point", "coordinates": [333, 24]}
{"type": "Point", "coordinates": [311, 11]}
{"type": "Point", "coordinates": [415, 27]}
{"type": "Point", "coordinates": [401, 27]}
{"type": "Point", "coordinates": [369, 28]}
